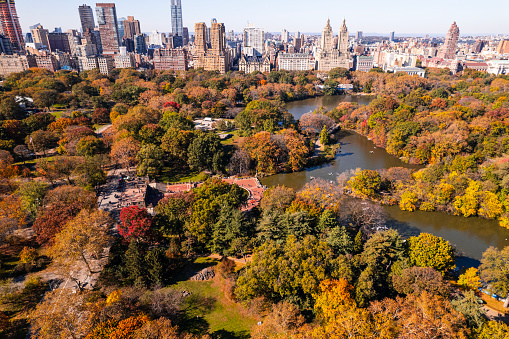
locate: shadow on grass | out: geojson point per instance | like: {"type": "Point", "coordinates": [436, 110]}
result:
{"type": "Point", "coordinates": [197, 307]}
{"type": "Point", "coordinates": [223, 334]}
{"type": "Point", "coordinates": [192, 268]}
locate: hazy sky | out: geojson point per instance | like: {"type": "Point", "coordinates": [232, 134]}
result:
{"type": "Point", "coordinates": [401, 16]}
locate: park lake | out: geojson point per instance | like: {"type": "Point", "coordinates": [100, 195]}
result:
{"type": "Point", "coordinates": [470, 236]}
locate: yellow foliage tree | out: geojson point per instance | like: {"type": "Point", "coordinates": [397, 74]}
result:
{"type": "Point", "coordinates": [470, 279]}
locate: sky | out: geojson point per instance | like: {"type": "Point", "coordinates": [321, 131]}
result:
{"type": "Point", "coordinates": [307, 16]}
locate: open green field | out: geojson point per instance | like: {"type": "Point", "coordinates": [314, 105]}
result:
{"type": "Point", "coordinates": [207, 309]}
{"type": "Point", "coordinates": [168, 175]}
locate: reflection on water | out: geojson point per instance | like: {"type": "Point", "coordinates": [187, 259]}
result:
{"type": "Point", "coordinates": [471, 236]}
{"type": "Point", "coordinates": [298, 108]}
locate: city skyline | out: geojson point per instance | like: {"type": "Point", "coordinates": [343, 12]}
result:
{"type": "Point", "coordinates": [285, 14]}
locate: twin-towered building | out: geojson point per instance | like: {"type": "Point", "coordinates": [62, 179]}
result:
{"type": "Point", "coordinates": [333, 55]}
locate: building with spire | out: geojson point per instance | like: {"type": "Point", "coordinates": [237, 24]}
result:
{"type": "Point", "coordinates": [451, 42]}
{"type": "Point", "coordinates": [9, 25]}
{"type": "Point", "coordinates": [331, 55]}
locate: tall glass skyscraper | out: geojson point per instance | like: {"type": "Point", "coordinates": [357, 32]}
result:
{"type": "Point", "coordinates": [176, 18]}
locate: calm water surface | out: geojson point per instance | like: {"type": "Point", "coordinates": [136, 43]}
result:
{"type": "Point", "coordinates": [472, 236]}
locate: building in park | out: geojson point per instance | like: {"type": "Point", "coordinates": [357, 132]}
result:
{"type": "Point", "coordinates": [108, 27]}
{"type": "Point", "coordinates": [250, 64]}
{"type": "Point", "coordinates": [9, 25]}
{"type": "Point", "coordinates": [451, 42]}
{"type": "Point", "coordinates": [16, 63]}
{"type": "Point", "coordinates": [215, 58]}
{"type": "Point", "coordinates": [86, 17]}
{"type": "Point", "coordinates": [253, 41]}
{"type": "Point", "coordinates": [131, 27]}
{"type": "Point", "coordinates": [333, 55]}
{"type": "Point", "coordinates": [295, 62]}
{"type": "Point", "coordinates": [166, 59]}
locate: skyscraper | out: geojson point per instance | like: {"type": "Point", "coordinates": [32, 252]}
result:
{"type": "Point", "coordinates": [343, 38]}
{"type": "Point", "coordinates": [253, 41]}
{"type": "Point", "coordinates": [121, 32]}
{"type": "Point", "coordinates": [131, 27]}
{"type": "Point", "coordinates": [200, 39]}
{"type": "Point", "coordinates": [108, 26]}
{"type": "Point", "coordinates": [392, 36]}
{"type": "Point", "coordinates": [86, 17]}
{"type": "Point", "coordinates": [176, 18]}
{"type": "Point", "coordinates": [451, 41]}
{"type": "Point", "coordinates": [9, 25]}
{"type": "Point", "coordinates": [327, 38]}
{"type": "Point", "coordinates": [359, 35]}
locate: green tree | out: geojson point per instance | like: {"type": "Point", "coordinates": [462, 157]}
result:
{"type": "Point", "coordinates": [90, 146]}
{"type": "Point", "coordinates": [229, 227]}
{"type": "Point", "coordinates": [470, 306]}
{"type": "Point", "coordinates": [290, 271]}
{"type": "Point", "coordinates": [324, 136]}
{"type": "Point", "coordinates": [206, 152]}
{"type": "Point", "coordinates": [494, 270]}
{"type": "Point", "coordinates": [150, 160]}
{"type": "Point", "coordinates": [10, 110]}
{"type": "Point", "coordinates": [428, 250]}
{"type": "Point", "coordinates": [134, 268]}
{"type": "Point", "coordinates": [32, 194]}
{"type": "Point", "coordinates": [340, 241]}
{"type": "Point", "coordinates": [494, 330]}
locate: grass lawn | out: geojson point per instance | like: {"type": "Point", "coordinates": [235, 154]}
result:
{"type": "Point", "coordinates": [208, 310]}
{"type": "Point", "coordinates": [57, 114]}
{"type": "Point", "coordinates": [234, 140]}
{"type": "Point", "coordinates": [33, 161]}
{"type": "Point", "coordinates": [168, 175]}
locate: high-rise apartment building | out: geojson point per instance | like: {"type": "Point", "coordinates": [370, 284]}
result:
{"type": "Point", "coordinates": [391, 36]}
{"type": "Point", "coordinates": [86, 17]}
{"type": "Point", "coordinates": [186, 36]}
{"type": "Point", "coordinates": [451, 42]}
{"type": "Point", "coordinates": [131, 27]}
{"type": "Point", "coordinates": [216, 58]}
{"type": "Point", "coordinates": [285, 36]}
{"type": "Point", "coordinates": [253, 41]}
{"type": "Point", "coordinates": [108, 26]}
{"type": "Point", "coordinates": [177, 27]}
{"type": "Point", "coordinates": [359, 35]}
{"type": "Point", "coordinates": [9, 25]}
{"type": "Point", "coordinates": [40, 35]}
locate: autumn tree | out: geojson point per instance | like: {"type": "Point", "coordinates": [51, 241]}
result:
{"type": "Point", "coordinates": [62, 314]}
{"type": "Point", "coordinates": [278, 198]}
{"type": "Point", "coordinates": [470, 279]}
{"type": "Point", "coordinates": [366, 183]}
{"type": "Point", "coordinates": [284, 319]}
{"type": "Point", "coordinates": [83, 238]}
{"type": "Point", "coordinates": [415, 280]}
{"type": "Point", "coordinates": [59, 206]}
{"type": "Point", "coordinates": [494, 330]}
{"type": "Point", "coordinates": [32, 194]}
{"type": "Point", "coordinates": [150, 160]}
{"type": "Point", "coordinates": [136, 224]}
{"type": "Point", "coordinates": [493, 271]}
{"type": "Point", "coordinates": [124, 152]}
{"type": "Point", "coordinates": [428, 250]}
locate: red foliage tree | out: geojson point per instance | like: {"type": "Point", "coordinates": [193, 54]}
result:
{"type": "Point", "coordinates": [59, 207]}
{"type": "Point", "coordinates": [171, 104]}
{"type": "Point", "coordinates": [101, 116]}
{"type": "Point", "coordinates": [135, 223]}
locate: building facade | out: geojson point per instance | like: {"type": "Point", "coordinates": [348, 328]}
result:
{"type": "Point", "coordinates": [106, 64]}
{"type": "Point", "coordinates": [108, 27]}
{"type": "Point", "coordinates": [47, 61]}
{"type": "Point", "coordinates": [295, 62]}
{"type": "Point", "coordinates": [498, 67]}
{"type": "Point", "coordinates": [9, 25]}
{"type": "Point", "coordinates": [253, 42]}
{"type": "Point", "coordinates": [363, 63]}
{"type": "Point", "coordinates": [16, 63]}
{"type": "Point", "coordinates": [166, 59]}
{"type": "Point", "coordinates": [253, 63]}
